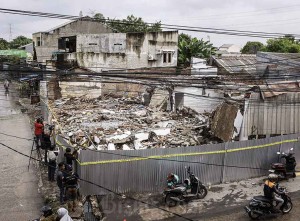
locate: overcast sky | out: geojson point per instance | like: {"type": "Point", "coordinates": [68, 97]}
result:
{"type": "Point", "coordinates": [250, 15]}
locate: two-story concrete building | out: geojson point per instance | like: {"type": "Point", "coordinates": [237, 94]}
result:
{"type": "Point", "coordinates": [120, 51]}
{"type": "Point", "coordinates": [92, 45]}
{"type": "Point", "coordinates": [46, 42]}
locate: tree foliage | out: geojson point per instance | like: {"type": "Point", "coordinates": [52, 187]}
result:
{"type": "Point", "coordinates": [99, 16]}
{"type": "Point", "coordinates": [19, 41]}
{"type": "Point", "coordinates": [189, 47]}
{"type": "Point", "coordinates": [286, 44]}
{"type": "Point", "coordinates": [252, 47]}
{"type": "Point", "coordinates": [133, 24]}
{"type": "Point", "coordinates": [4, 45]}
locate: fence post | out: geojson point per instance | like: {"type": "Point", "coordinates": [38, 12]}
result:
{"type": "Point", "coordinates": [224, 162]}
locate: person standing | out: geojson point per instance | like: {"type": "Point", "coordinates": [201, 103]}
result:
{"type": "Point", "coordinates": [38, 131]}
{"type": "Point", "coordinates": [60, 181]}
{"type": "Point", "coordinates": [69, 157]}
{"type": "Point", "coordinates": [51, 164]}
{"type": "Point", "coordinates": [71, 184]}
{"type": "Point", "coordinates": [6, 85]}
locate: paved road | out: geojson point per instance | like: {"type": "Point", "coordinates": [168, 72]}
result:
{"type": "Point", "coordinates": [19, 195]}
{"type": "Point", "coordinates": [237, 213]}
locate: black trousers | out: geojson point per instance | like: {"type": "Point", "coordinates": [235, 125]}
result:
{"type": "Point", "coordinates": [51, 169]}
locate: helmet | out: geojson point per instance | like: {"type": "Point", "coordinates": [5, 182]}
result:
{"type": "Point", "coordinates": [170, 176]}
{"type": "Point", "coordinates": [47, 211]}
{"type": "Point", "coordinates": [273, 176]}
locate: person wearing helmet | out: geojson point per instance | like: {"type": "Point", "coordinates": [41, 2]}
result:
{"type": "Point", "coordinates": [48, 214]}
{"type": "Point", "coordinates": [271, 191]}
{"type": "Point", "coordinates": [172, 180]}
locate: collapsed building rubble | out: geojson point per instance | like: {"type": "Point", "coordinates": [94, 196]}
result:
{"type": "Point", "coordinates": [110, 123]}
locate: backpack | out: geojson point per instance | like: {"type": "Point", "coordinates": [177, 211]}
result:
{"type": "Point", "coordinates": [71, 180]}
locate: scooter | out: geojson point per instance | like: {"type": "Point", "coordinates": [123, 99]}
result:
{"type": "Point", "coordinates": [285, 170]}
{"type": "Point", "coordinates": [192, 188]}
{"type": "Point", "coordinates": [261, 206]}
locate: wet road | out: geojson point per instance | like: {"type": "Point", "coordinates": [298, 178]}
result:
{"type": "Point", "coordinates": [19, 195]}
{"type": "Point", "coordinates": [237, 213]}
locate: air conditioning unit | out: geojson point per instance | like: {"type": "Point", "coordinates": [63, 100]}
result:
{"type": "Point", "coordinates": [159, 51]}
{"type": "Point", "coordinates": [151, 57]}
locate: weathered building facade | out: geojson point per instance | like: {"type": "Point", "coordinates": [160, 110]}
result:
{"type": "Point", "coordinates": [46, 43]}
{"type": "Point", "coordinates": [123, 51]}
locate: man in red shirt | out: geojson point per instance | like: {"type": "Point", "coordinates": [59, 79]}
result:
{"type": "Point", "coordinates": [38, 131]}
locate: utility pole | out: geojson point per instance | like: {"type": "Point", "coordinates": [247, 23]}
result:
{"type": "Point", "coordinates": [10, 33]}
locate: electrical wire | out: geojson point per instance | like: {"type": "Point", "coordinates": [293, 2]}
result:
{"type": "Point", "coordinates": [102, 187]}
{"type": "Point", "coordinates": [167, 26]}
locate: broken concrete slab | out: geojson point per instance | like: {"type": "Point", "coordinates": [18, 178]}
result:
{"type": "Point", "coordinates": [222, 123]}
{"type": "Point", "coordinates": [162, 131]}
{"type": "Point", "coordinates": [159, 99]}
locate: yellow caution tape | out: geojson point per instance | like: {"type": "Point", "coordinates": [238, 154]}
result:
{"type": "Point", "coordinates": [132, 159]}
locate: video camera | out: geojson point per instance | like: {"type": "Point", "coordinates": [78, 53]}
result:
{"type": "Point", "coordinates": [51, 127]}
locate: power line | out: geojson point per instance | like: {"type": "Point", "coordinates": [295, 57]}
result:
{"type": "Point", "coordinates": [167, 26]}
{"type": "Point", "coordinates": [102, 187]}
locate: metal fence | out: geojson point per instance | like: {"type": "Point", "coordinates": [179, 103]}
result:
{"type": "Point", "coordinates": [139, 171]}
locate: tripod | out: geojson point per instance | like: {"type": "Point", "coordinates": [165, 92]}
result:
{"type": "Point", "coordinates": [37, 150]}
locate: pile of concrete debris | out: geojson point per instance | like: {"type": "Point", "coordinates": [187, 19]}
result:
{"type": "Point", "coordinates": [108, 123]}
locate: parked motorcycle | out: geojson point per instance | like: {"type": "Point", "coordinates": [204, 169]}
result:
{"type": "Point", "coordinates": [285, 170]}
{"type": "Point", "coordinates": [192, 188]}
{"type": "Point", "coordinates": [261, 206]}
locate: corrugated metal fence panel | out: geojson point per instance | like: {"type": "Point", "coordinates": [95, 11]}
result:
{"type": "Point", "coordinates": [150, 175]}
{"type": "Point", "coordinates": [252, 160]}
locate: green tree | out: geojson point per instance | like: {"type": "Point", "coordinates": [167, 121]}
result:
{"type": "Point", "coordinates": [99, 16]}
{"type": "Point", "coordinates": [4, 45]}
{"type": "Point", "coordinates": [285, 44]}
{"type": "Point", "coordinates": [252, 47]}
{"type": "Point", "coordinates": [19, 41]}
{"type": "Point", "coordinates": [189, 47]}
{"type": "Point", "coordinates": [133, 24]}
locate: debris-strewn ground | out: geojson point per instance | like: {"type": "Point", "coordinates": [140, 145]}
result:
{"type": "Point", "coordinates": [125, 123]}
{"type": "Point", "coordinates": [49, 190]}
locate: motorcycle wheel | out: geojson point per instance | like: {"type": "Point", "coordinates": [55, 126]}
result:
{"type": "Point", "coordinates": [170, 202]}
{"type": "Point", "coordinates": [287, 207]}
{"type": "Point", "coordinates": [254, 215]}
{"type": "Point", "coordinates": [202, 192]}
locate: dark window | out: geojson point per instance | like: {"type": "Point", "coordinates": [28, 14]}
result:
{"type": "Point", "coordinates": [165, 57]}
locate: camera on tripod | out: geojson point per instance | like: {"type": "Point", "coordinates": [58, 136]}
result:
{"type": "Point", "coordinates": [51, 127]}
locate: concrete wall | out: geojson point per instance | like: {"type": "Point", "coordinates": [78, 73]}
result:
{"type": "Point", "coordinates": [123, 89]}
{"type": "Point", "coordinates": [126, 51]}
{"type": "Point", "coordinates": [49, 40]}
{"type": "Point", "coordinates": [78, 89]}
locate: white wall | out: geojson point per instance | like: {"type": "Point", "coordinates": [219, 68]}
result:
{"type": "Point", "coordinates": [126, 51]}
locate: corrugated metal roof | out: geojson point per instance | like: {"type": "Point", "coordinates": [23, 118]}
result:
{"type": "Point", "coordinates": [236, 64]}
{"type": "Point", "coordinates": [274, 115]}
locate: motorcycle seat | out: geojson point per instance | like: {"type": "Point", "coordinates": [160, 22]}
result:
{"type": "Point", "coordinates": [262, 198]}
{"type": "Point", "coordinates": [180, 188]}
{"type": "Point", "coordinates": [278, 165]}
